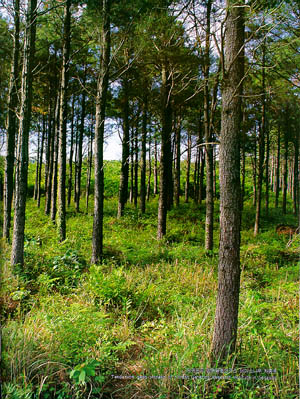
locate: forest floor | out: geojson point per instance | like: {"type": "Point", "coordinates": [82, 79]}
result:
{"type": "Point", "coordinates": [120, 330]}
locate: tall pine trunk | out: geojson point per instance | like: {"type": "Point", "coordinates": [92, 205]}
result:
{"type": "Point", "coordinates": [17, 253]}
{"type": "Point", "coordinates": [79, 168]}
{"type": "Point", "coordinates": [71, 154]}
{"type": "Point", "coordinates": [63, 114]}
{"type": "Point", "coordinates": [11, 125]}
{"type": "Point", "coordinates": [208, 138]}
{"type": "Point", "coordinates": [143, 157]}
{"type": "Point", "coordinates": [123, 188]}
{"type": "Point", "coordinates": [165, 160]}
{"type": "Point", "coordinates": [226, 317]}
{"type": "Point", "coordinates": [102, 88]}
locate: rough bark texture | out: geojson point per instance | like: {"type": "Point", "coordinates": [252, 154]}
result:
{"type": "Point", "coordinates": [261, 150]}
{"type": "Point", "coordinates": [17, 253]}
{"type": "Point", "coordinates": [80, 141]}
{"type": "Point", "coordinates": [51, 146]}
{"type": "Point", "coordinates": [208, 139]}
{"type": "Point", "coordinates": [296, 175]}
{"type": "Point", "coordinates": [71, 154]}
{"type": "Point", "coordinates": [61, 220]}
{"type": "Point", "coordinates": [188, 168]}
{"type": "Point", "coordinates": [177, 161]}
{"type": "Point", "coordinates": [226, 317]}
{"type": "Point", "coordinates": [143, 158]}
{"type": "Point", "coordinates": [102, 87]}
{"type": "Point", "coordinates": [165, 159]}
{"type": "Point", "coordinates": [41, 163]}
{"type": "Point", "coordinates": [123, 187]}
{"type": "Point", "coordinates": [55, 163]}
{"type": "Point", "coordinates": [285, 164]}
{"type": "Point", "coordinates": [11, 126]}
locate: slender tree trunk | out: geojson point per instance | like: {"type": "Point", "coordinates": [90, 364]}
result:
{"type": "Point", "coordinates": [285, 164]}
{"type": "Point", "coordinates": [136, 167]}
{"type": "Point", "coordinates": [296, 176]}
{"type": "Point", "coordinates": [71, 154]}
{"type": "Point", "coordinates": [51, 146]}
{"type": "Point", "coordinates": [177, 161]}
{"type": "Point", "coordinates": [17, 253]}
{"type": "Point", "coordinates": [123, 188]}
{"type": "Point", "coordinates": [102, 87]}
{"type": "Point", "coordinates": [11, 126]}
{"type": "Point", "coordinates": [143, 157]}
{"type": "Point", "coordinates": [261, 148]}
{"type": "Point", "coordinates": [89, 171]}
{"type": "Point", "coordinates": [267, 169]}
{"type": "Point", "coordinates": [55, 163]}
{"type": "Point", "coordinates": [155, 171]}
{"type": "Point", "coordinates": [254, 164]}
{"type": "Point", "coordinates": [131, 152]}
{"type": "Point", "coordinates": [165, 160]}
{"type": "Point", "coordinates": [79, 168]}
{"type": "Point", "coordinates": [226, 318]}
{"type": "Point", "coordinates": [208, 139]}
{"type": "Point", "coordinates": [76, 158]}
{"type": "Point", "coordinates": [188, 168]}
{"type": "Point", "coordinates": [150, 172]}
{"type": "Point", "coordinates": [41, 163]}
{"type": "Point", "coordinates": [201, 177]}
{"type": "Point", "coordinates": [37, 166]}
{"type": "Point", "coordinates": [63, 115]}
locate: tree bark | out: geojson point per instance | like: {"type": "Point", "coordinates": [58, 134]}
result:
{"type": "Point", "coordinates": [155, 171]}
{"type": "Point", "coordinates": [11, 126]}
{"type": "Point", "coordinates": [17, 254]}
{"type": "Point", "coordinates": [165, 160]}
{"type": "Point", "coordinates": [285, 164]}
{"type": "Point", "coordinates": [102, 87]}
{"type": "Point", "coordinates": [177, 160]}
{"type": "Point", "coordinates": [55, 163]}
{"type": "Point", "coordinates": [63, 115]}
{"type": "Point", "coordinates": [261, 147]}
{"type": "Point", "coordinates": [123, 188]}
{"type": "Point", "coordinates": [89, 171]}
{"type": "Point", "coordinates": [80, 141]}
{"type": "Point", "coordinates": [296, 175]}
{"type": "Point", "coordinates": [41, 163]}
{"type": "Point", "coordinates": [208, 139]}
{"type": "Point", "coordinates": [71, 154]}
{"type": "Point", "coordinates": [226, 317]}
{"type": "Point", "coordinates": [188, 168]}
{"type": "Point", "coordinates": [143, 157]}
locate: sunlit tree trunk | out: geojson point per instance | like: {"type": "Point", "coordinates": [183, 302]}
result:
{"type": "Point", "coordinates": [63, 115]}
{"type": "Point", "coordinates": [143, 157]}
{"type": "Point", "coordinates": [102, 88]}
{"type": "Point", "coordinates": [165, 159]}
{"type": "Point", "coordinates": [11, 125]}
{"type": "Point", "coordinates": [17, 253]}
{"type": "Point", "coordinates": [226, 317]}
{"type": "Point", "coordinates": [123, 187]}
{"type": "Point", "coordinates": [208, 139]}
